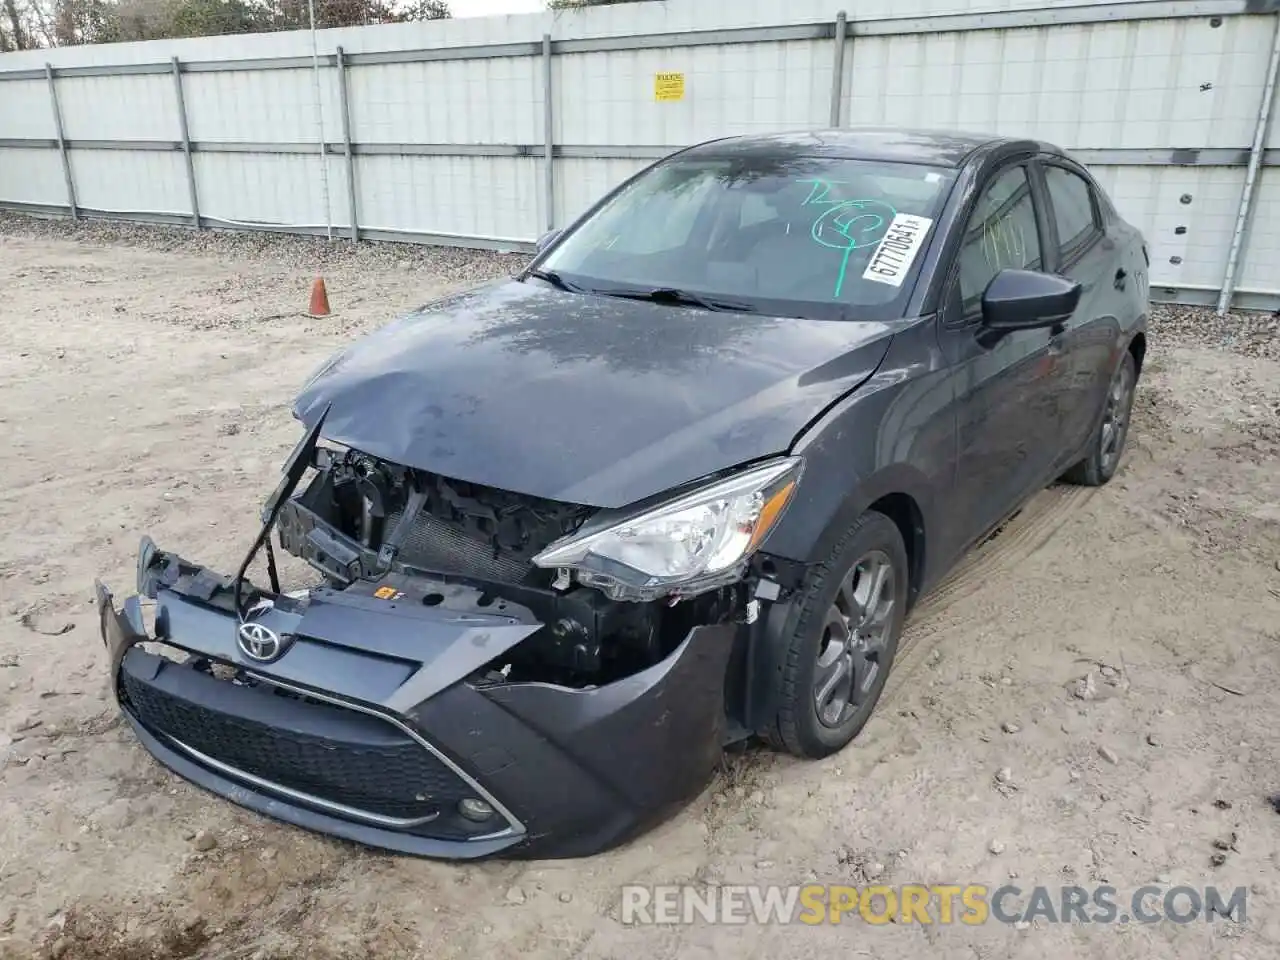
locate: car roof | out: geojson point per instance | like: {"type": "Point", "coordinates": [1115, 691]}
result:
{"type": "Point", "coordinates": [943, 148]}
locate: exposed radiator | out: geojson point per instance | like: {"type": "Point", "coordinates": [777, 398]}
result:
{"type": "Point", "coordinates": [435, 544]}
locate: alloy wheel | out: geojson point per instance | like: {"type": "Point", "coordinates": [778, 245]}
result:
{"type": "Point", "coordinates": [854, 639]}
{"type": "Point", "coordinates": [1115, 421]}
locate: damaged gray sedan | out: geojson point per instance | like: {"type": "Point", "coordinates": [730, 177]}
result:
{"type": "Point", "coordinates": [674, 485]}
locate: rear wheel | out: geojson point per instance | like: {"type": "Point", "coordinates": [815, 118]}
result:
{"type": "Point", "coordinates": [1107, 444]}
{"type": "Point", "coordinates": [841, 640]}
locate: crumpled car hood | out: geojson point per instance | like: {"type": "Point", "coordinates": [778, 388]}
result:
{"type": "Point", "coordinates": [585, 399]}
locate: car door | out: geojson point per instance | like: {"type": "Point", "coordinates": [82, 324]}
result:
{"type": "Point", "coordinates": [1083, 248]}
{"type": "Point", "coordinates": [1005, 386]}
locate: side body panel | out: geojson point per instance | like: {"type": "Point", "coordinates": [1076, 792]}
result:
{"type": "Point", "coordinates": [1008, 385]}
{"type": "Point", "coordinates": [1091, 338]}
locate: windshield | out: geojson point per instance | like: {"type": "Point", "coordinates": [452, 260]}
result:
{"type": "Point", "coordinates": [789, 236]}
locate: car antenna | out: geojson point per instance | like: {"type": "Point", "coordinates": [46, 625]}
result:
{"type": "Point", "coordinates": [292, 471]}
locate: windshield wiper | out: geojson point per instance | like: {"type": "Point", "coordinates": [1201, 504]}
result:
{"type": "Point", "coordinates": [553, 278]}
{"type": "Point", "coordinates": [682, 297]}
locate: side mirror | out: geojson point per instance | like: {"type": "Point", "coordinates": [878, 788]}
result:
{"type": "Point", "coordinates": [1027, 299]}
{"type": "Point", "coordinates": [547, 239]}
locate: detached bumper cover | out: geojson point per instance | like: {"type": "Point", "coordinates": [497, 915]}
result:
{"type": "Point", "coordinates": [373, 724]}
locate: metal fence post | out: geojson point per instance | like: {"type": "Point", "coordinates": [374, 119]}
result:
{"type": "Point", "coordinates": [837, 69]}
{"type": "Point", "coordinates": [548, 137]}
{"type": "Point", "coordinates": [346, 140]}
{"type": "Point", "coordinates": [62, 143]}
{"type": "Point", "coordinates": [186, 142]}
{"type": "Point", "coordinates": [320, 133]}
{"type": "Point", "coordinates": [1245, 214]}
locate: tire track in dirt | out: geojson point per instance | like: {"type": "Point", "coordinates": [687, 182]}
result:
{"type": "Point", "coordinates": [1010, 545]}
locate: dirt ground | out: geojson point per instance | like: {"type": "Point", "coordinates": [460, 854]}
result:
{"type": "Point", "coordinates": [144, 387]}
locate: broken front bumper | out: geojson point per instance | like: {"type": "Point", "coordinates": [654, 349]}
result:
{"type": "Point", "coordinates": [373, 721]}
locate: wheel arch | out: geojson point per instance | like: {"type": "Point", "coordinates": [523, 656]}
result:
{"type": "Point", "coordinates": [1138, 348]}
{"type": "Point", "coordinates": [897, 494]}
{"type": "Point", "coordinates": [899, 491]}
{"type": "Point", "coordinates": [906, 515]}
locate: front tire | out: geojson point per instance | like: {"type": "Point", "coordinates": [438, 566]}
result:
{"type": "Point", "coordinates": [840, 640]}
{"type": "Point", "coordinates": [1107, 443]}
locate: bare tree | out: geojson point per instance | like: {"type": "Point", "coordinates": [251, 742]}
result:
{"type": "Point", "coordinates": [570, 4]}
{"type": "Point", "coordinates": [25, 24]}
{"type": "Point", "coordinates": [15, 32]}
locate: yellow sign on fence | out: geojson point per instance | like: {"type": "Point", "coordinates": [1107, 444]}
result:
{"type": "Point", "coordinates": [668, 86]}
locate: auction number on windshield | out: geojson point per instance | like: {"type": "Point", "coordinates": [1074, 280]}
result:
{"type": "Point", "coordinates": [897, 250]}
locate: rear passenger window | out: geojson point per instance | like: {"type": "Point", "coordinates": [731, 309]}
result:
{"type": "Point", "coordinates": [1001, 235]}
{"type": "Point", "coordinates": [1072, 201]}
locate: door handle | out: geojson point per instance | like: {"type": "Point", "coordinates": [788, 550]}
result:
{"type": "Point", "coordinates": [1121, 276]}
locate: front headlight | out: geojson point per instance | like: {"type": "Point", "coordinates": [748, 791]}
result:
{"type": "Point", "coordinates": [693, 543]}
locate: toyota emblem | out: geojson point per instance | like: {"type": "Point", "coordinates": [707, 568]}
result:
{"type": "Point", "coordinates": [259, 642]}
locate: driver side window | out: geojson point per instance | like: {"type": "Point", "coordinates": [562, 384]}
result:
{"type": "Point", "coordinates": [1001, 235]}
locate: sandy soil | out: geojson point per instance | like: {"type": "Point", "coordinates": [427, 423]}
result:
{"type": "Point", "coordinates": [145, 390]}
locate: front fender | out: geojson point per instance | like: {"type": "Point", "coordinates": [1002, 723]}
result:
{"type": "Point", "coordinates": [894, 435]}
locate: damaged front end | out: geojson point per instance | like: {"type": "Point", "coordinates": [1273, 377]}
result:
{"type": "Point", "coordinates": [475, 672]}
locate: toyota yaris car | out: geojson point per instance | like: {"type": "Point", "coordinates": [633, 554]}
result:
{"type": "Point", "coordinates": [677, 483]}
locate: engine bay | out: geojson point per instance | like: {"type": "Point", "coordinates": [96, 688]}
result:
{"type": "Point", "coordinates": [358, 518]}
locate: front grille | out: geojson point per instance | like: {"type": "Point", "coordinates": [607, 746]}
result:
{"type": "Point", "coordinates": [361, 763]}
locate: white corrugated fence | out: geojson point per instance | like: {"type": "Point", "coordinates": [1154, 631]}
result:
{"type": "Point", "coordinates": [439, 131]}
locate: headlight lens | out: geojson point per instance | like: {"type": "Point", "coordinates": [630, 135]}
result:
{"type": "Point", "coordinates": [698, 537]}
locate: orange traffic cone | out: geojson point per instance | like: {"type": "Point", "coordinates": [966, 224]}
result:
{"type": "Point", "coordinates": [319, 299]}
